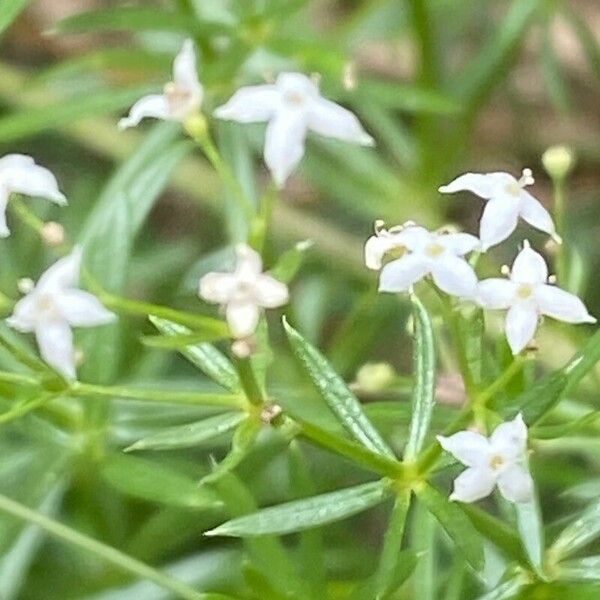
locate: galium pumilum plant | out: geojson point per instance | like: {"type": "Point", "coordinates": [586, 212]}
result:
{"type": "Point", "coordinates": [435, 272]}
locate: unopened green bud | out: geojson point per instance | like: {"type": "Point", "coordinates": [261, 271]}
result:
{"type": "Point", "coordinates": [196, 126]}
{"type": "Point", "coordinates": [375, 377]}
{"type": "Point", "coordinates": [558, 161]}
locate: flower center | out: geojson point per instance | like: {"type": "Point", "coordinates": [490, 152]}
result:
{"type": "Point", "coordinates": [294, 98]}
{"type": "Point", "coordinates": [434, 250]}
{"type": "Point", "coordinates": [177, 96]}
{"type": "Point", "coordinates": [524, 291]}
{"type": "Point", "coordinates": [512, 189]}
{"type": "Point", "coordinates": [46, 304]}
{"type": "Point", "coordinates": [497, 462]}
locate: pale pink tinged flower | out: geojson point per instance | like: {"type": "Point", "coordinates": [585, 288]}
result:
{"type": "Point", "coordinates": [244, 292]}
{"type": "Point", "coordinates": [292, 106]}
{"type": "Point", "coordinates": [181, 97]}
{"type": "Point", "coordinates": [423, 252]}
{"type": "Point", "coordinates": [55, 305]}
{"type": "Point", "coordinates": [20, 175]}
{"type": "Point", "coordinates": [527, 295]}
{"type": "Point", "coordinates": [500, 460]}
{"type": "Point", "coordinates": [507, 200]}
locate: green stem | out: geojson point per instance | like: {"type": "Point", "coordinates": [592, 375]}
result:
{"type": "Point", "coordinates": [111, 555]}
{"type": "Point", "coordinates": [17, 378]}
{"type": "Point", "coordinates": [260, 228]}
{"type": "Point", "coordinates": [25, 407]}
{"type": "Point", "coordinates": [250, 385]}
{"type": "Point", "coordinates": [559, 219]}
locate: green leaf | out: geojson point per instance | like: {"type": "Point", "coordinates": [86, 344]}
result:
{"type": "Point", "coordinates": [289, 262]}
{"type": "Point", "coordinates": [579, 533]}
{"type": "Point", "coordinates": [531, 530]}
{"type": "Point", "coordinates": [190, 435]}
{"type": "Point", "coordinates": [9, 11]}
{"type": "Point", "coordinates": [423, 399]}
{"type": "Point", "coordinates": [207, 358]}
{"type": "Point", "coordinates": [550, 432]}
{"type": "Point", "coordinates": [155, 482]}
{"type": "Point", "coordinates": [339, 398]}
{"type": "Point", "coordinates": [456, 524]}
{"type": "Point", "coordinates": [309, 512]}
{"type": "Point", "coordinates": [507, 590]}
{"type": "Point", "coordinates": [178, 342]}
{"type": "Point", "coordinates": [581, 569]}
{"type": "Point", "coordinates": [472, 329]}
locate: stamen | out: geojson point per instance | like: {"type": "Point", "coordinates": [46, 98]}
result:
{"type": "Point", "coordinates": [526, 178]}
{"type": "Point", "coordinates": [505, 270]}
{"type": "Point", "coordinates": [379, 226]}
{"type": "Point", "coordinates": [552, 279]}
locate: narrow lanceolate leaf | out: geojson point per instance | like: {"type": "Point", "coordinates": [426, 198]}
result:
{"type": "Point", "coordinates": [580, 532]}
{"type": "Point", "coordinates": [456, 524]}
{"type": "Point", "coordinates": [335, 392]}
{"type": "Point", "coordinates": [155, 482]}
{"type": "Point", "coordinates": [192, 434]}
{"type": "Point", "coordinates": [581, 569]}
{"type": "Point", "coordinates": [507, 590]}
{"type": "Point", "coordinates": [307, 513]}
{"type": "Point", "coordinates": [531, 530]}
{"type": "Point", "coordinates": [9, 11]}
{"type": "Point", "coordinates": [424, 373]}
{"type": "Point", "coordinates": [290, 262]}
{"type": "Point", "coordinates": [207, 358]}
{"type": "Point", "coordinates": [178, 342]}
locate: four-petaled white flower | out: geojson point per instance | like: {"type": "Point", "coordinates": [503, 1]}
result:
{"type": "Point", "coordinates": [19, 174]}
{"type": "Point", "coordinates": [527, 296]}
{"type": "Point", "coordinates": [244, 292]}
{"type": "Point", "coordinates": [181, 97]}
{"type": "Point", "coordinates": [292, 106]}
{"type": "Point", "coordinates": [507, 200]}
{"type": "Point", "coordinates": [422, 253]}
{"type": "Point", "coordinates": [55, 305]}
{"type": "Point", "coordinates": [500, 460]}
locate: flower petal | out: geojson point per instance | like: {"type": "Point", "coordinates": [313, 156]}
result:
{"type": "Point", "coordinates": [470, 448]}
{"type": "Point", "coordinates": [270, 292]}
{"type": "Point", "coordinates": [31, 180]}
{"type": "Point", "coordinates": [24, 316]}
{"type": "Point", "coordinates": [509, 439]}
{"type": "Point", "coordinates": [454, 276]}
{"type": "Point", "coordinates": [55, 341]}
{"type": "Point", "coordinates": [15, 161]}
{"type": "Point", "coordinates": [242, 318]}
{"type": "Point", "coordinates": [154, 105]}
{"type": "Point", "coordinates": [529, 267]}
{"type": "Point", "coordinates": [460, 243]}
{"type": "Point", "coordinates": [82, 309]}
{"type": "Point", "coordinates": [495, 293]}
{"type": "Point", "coordinates": [217, 287]}
{"type": "Point", "coordinates": [251, 104]}
{"type": "Point", "coordinates": [398, 275]}
{"type": "Point", "coordinates": [332, 120]}
{"type": "Point", "coordinates": [498, 221]}
{"type": "Point", "coordinates": [535, 214]}
{"type": "Point", "coordinates": [377, 246]}
{"type": "Point", "coordinates": [521, 323]}
{"type": "Point", "coordinates": [248, 264]}
{"type": "Point", "coordinates": [417, 238]}
{"type": "Point", "coordinates": [4, 196]}
{"type": "Point", "coordinates": [561, 305]}
{"type": "Point", "coordinates": [473, 484]}
{"type": "Point", "coordinates": [64, 273]}
{"type": "Point", "coordinates": [484, 185]}
{"type": "Point", "coordinates": [516, 484]}
{"type": "Point", "coordinates": [185, 74]}
{"type": "Point", "coordinates": [284, 143]}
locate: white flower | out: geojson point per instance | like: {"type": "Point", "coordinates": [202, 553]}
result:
{"type": "Point", "coordinates": [440, 255]}
{"type": "Point", "coordinates": [55, 305]}
{"type": "Point", "coordinates": [527, 296]}
{"type": "Point", "coordinates": [244, 292]}
{"type": "Point", "coordinates": [181, 97]}
{"type": "Point", "coordinates": [500, 460]}
{"type": "Point", "coordinates": [292, 106]}
{"type": "Point", "coordinates": [19, 174]}
{"type": "Point", "coordinates": [507, 200]}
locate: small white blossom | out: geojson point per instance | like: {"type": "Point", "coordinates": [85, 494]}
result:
{"type": "Point", "coordinates": [55, 305]}
{"type": "Point", "coordinates": [507, 200]}
{"type": "Point", "coordinates": [181, 97]}
{"type": "Point", "coordinates": [244, 292]}
{"type": "Point", "coordinates": [19, 174]}
{"type": "Point", "coordinates": [498, 460]}
{"type": "Point", "coordinates": [422, 253]}
{"type": "Point", "coordinates": [527, 296]}
{"type": "Point", "coordinates": [292, 106]}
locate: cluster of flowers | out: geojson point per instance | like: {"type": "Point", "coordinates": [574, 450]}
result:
{"type": "Point", "coordinates": [404, 254]}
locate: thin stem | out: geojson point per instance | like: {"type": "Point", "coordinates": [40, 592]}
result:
{"type": "Point", "coordinates": [250, 385]}
{"type": "Point", "coordinates": [111, 555]}
{"type": "Point", "coordinates": [258, 234]}
{"type": "Point", "coordinates": [25, 407]}
{"type": "Point", "coordinates": [559, 218]}
{"type": "Point", "coordinates": [18, 378]}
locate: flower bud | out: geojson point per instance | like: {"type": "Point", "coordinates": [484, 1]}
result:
{"type": "Point", "coordinates": [375, 377]}
{"type": "Point", "coordinates": [53, 233]}
{"type": "Point", "coordinates": [196, 125]}
{"type": "Point", "coordinates": [558, 161]}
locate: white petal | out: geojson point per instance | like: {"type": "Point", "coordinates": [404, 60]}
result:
{"type": "Point", "coordinates": [535, 214]}
{"type": "Point", "coordinates": [24, 316]}
{"type": "Point", "coordinates": [25, 177]}
{"type": "Point", "coordinates": [454, 276]}
{"type": "Point", "coordinates": [251, 104]}
{"type": "Point", "coordinates": [398, 275]}
{"type": "Point", "coordinates": [297, 86]}
{"type": "Point", "coordinates": [55, 341]}
{"type": "Point", "coordinates": [498, 221]}
{"type": "Point", "coordinates": [529, 267]}
{"type": "Point", "coordinates": [332, 120]}
{"type": "Point", "coordinates": [521, 323]}
{"type": "Point", "coordinates": [269, 292]}
{"type": "Point", "coordinates": [561, 305]}
{"type": "Point", "coordinates": [242, 318]}
{"type": "Point", "coordinates": [483, 185]}
{"type": "Point", "coordinates": [248, 264]}
{"type": "Point", "coordinates": [473, 484]}
{"type": "Point", "coordinates": [417, 238]}
{"type": "Point", "coordinates": [15, 161]}
{"type": "Point", "coordinates": [154, 105]}
{"type": "Point", "coordinates": [472, 449]}
{"type": "Point", "coordinates": [509, 439]}
{"type": "Point", "coordinates": [64, 273]}
{"type": "Point", "coordinates": [495, 293]}
{"type": "Point", "coordinates": [4, 195]}
{"type": "Point", "coordinates": [82, 309]}
{"type": "Point", "coordinates": [515, 484]}
{"type": "Point", "coordinates": [377, 246]}
{"type": "Point", "coordinates": [185, 74]}
{"type": "Point", "coordinates": [460, 243]}
{"type": "Point", "coordinates": [284, 143]}
{"type": "Point", "coordinates": [217, 287]}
